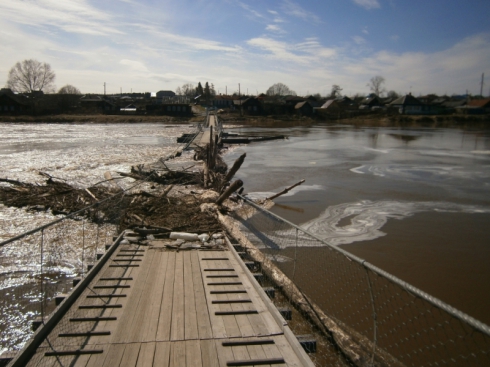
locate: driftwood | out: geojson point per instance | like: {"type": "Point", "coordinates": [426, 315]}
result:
{"type": "Point", "coordinates": [236, 166]}
{"type": "Point", "coordinates": [167, 190]}
{"type": "Point", "coordinates": [230, 190]}
{"type": "Point", "coordinates": [285, 190]}
{"type": "Point", "coordinates": [12, 182]}
{"type": "Point", "coordinates": [92, 195]}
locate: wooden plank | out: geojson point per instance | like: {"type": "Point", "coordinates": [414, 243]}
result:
{"type": "Point", "coordinates": [225, 354]}
{"type": "Point", "coordinates": [177, 354]}
{"type": "Point", "coordinates": [111, 326]}
{"type": "Point", "coordinates": [142, 321]}
{"type": "Point", "coordinates": [165, 318]}
{"type": "Point", "coordinates": [162, 354]}
{"type": "Point", "coordinates": [230, 323]}
{"type": "Point", "coordinates": [125, 324]}
{"type": "Point", "coordinates": [263, 323]}
{"type": "Point", "coordinates": [209, 354]}
{"type": "Point", "coordinates": [155, 299]}
{"type": "Point", "coordinates": [240, 353]}
{"type": "Point", "coordinates": [202, 312]}
{"type": "Point", "coordinates": [190, 313]}
{"type": "Point", "coordinates": [147, 353]}
{"type": "Point", "coordinates": [114, 356]}
{"type": "Point", "coordinates": [257, 352]}
{"type": "Point", "coordinates": [177, 331]}
{"type": "Point", "coordinates": [193, 353]}
{"type": "Point", "coordinates": [285, 350]}
{"type": "Point", "coordinates": [130, 356]}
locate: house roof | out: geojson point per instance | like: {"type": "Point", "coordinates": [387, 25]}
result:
{"type": "Point", "coordinates": [372, 99]}
{"type": "Point", "coordinates": [406, 100]}
{"type": "Point", "coordinates": [300, 105]}
{"type": "Point", "coordinates": [329, 103]}
{"type": "Point", "coordinates": [20, 99]}
{"type": "Point", "coordinates": [453, 104]}
{"type": "Point", "coordinates": [482, 103]}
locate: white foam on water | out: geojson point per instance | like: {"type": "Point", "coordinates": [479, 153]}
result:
{"type": "Point", "coordinates": [368, 217]}
{"type": "Point", "coordinates": [384, 151]}
{"type": "Point", "coordinates": [426, 173]}
{"type": "Point", "coordinates": [484, 152]}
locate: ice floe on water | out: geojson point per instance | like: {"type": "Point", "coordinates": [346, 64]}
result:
{"type": "Point", "coordinates": [262, 195]}
{"type": "Point", "coordinates": [365, 219]}
{"type": "Point", "coordinates": [425, 173]}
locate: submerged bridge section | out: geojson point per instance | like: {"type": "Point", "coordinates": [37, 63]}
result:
{"type": "Point", "coordinates": [151, 306]}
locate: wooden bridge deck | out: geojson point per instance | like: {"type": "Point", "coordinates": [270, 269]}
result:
{"type": "Point", "coordinates": [149, 306]}
{"type": "Point", "coordinates": [203, 138]}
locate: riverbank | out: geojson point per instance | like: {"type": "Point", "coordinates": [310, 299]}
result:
{"type": "Point", "coordinates": [99, 119]}
{"type": "Point", "coordinates": [372, 120]}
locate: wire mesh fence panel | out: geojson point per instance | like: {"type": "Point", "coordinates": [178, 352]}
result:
{"type": "Point", "coordinates": [394, 321]}
{"type": "Point", "coordinates": [39, 266]}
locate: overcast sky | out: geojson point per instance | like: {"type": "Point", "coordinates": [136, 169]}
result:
{"type": "Point", "coordinates": [423, 46]}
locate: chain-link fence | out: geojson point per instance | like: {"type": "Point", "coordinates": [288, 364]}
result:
{"type": "Point", "coordinates": [42, 263]}
{"type": "Point", "coordinates": [396, 323]}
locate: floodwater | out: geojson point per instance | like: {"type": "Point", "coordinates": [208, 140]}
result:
{"type": "Point", "coordinates": [414, 202]}
{"type": "Point", "coordinates": [79, 154]}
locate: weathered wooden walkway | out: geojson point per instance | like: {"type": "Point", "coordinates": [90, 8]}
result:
{"type": "Point", "coordinates": [150, 306]}
{"type": "Point", "coordinates": [204, 137]}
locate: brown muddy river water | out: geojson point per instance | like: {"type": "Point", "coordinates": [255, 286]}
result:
{"type": "Point", "coordinates": [415, 202]}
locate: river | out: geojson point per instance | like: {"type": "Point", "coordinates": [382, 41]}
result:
{"type": "Point", "coordinates": [415, 202]}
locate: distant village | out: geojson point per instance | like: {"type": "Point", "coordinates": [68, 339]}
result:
{"type": "Point", "coordinates": [167, 102]}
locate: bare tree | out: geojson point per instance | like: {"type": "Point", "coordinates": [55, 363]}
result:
{"type": "Point", "coordinates": [69, 89]}
{"type": "Point", "coordinates": [393, 94]}
{"type": "Point", "coordinates": [30, 76]}
{"type": "Point", "coordinates": [335, 92]}
{"type": "Point", "coordinates": [187, 90]}
{"type": "Point", "coordinates": [376, 85]}
{"type": "Point", "coordinates": [280, 89]}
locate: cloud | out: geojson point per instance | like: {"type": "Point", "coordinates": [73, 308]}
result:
{"type": "Point", "coordinates": [134, 65]}
{"type": "Point", "coordinates": [252, 11]}
{"type": "Point", "coordinates": [395, 37]}
{"type": "Point", "coordinates": [291, 8]}
{"type": "Point", "coordinates": [368, 4]}
{"type": "Point", "coordinates": [304, 53]}
{"type": "Point", "coordinates": [274, 28]}
{"type": "Point", "coordinates": [359, 40]}
{"type": "Point", "coordinates": [71, 16]}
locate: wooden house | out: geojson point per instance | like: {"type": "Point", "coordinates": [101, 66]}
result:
{"type": "Point", "coordinates": [11, 103]}
{"type": "Point", "coordinates": [304, 108]}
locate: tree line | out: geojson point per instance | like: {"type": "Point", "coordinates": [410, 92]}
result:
{"type": "Point", "coordinates": [32, 76]}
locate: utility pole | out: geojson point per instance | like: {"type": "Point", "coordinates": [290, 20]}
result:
{"type": "Point", "coordinates": [482, 83]}
{"type": "Point", "coordinates": [226, 90]}
{"type": "Point", "coordinates": [104, 88]}
{"type": "Point", "coordinates": [238, 89]}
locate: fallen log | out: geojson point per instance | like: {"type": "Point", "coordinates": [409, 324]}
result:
{"type": "Point", "coordinates": [285, 191]}
{"type": "Point", "coordinates": [230, 190]}
{"type": "Point", "coordinates": [167, 190]}
{"type": "Point", "coordinates": [236, 166]}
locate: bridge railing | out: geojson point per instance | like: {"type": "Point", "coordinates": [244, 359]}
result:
{"type": "Point", "coordinates": [40, 264]}
{"type": "Point", "coordinates": [397, 320]}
